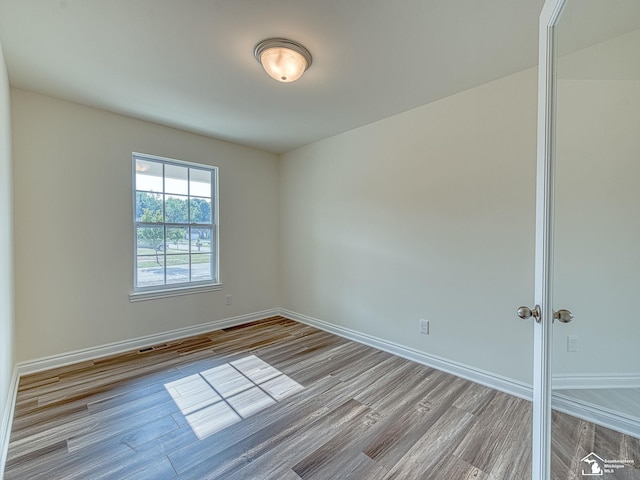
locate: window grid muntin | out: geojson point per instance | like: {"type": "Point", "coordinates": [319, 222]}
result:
{"type": "Point", "coordinates": [212, 225]}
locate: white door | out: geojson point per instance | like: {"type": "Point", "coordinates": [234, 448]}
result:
{"type": "Point", "coordinates": [587, 240]}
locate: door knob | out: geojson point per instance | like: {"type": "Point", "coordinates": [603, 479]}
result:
{"type": "Point", "coordinates": [526, 312]}
{"type": "Point", "coordinates": [562, 315]}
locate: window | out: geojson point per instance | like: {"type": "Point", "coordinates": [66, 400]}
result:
{"type": "Point", "coordinates": [176, 247]}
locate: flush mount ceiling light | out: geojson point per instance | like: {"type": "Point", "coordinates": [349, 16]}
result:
{"type": "Point", "coordinates": [142, 167]}
{"type": "Point", "coordinates": [282, 59]}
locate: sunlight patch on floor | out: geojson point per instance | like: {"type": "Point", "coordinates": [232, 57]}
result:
{"type": "Point", "coordinates": [221, 396]}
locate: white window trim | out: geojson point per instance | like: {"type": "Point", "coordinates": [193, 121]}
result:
{"type": "Point", "coordinates": [166, 291]}
{"type": "Point", "coordinates": [173, 292]}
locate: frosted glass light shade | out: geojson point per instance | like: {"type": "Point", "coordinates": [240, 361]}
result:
{"type": "Point", "coordinates": [283, 60]}
{"type": "Point", "coordinates": [283, 64]}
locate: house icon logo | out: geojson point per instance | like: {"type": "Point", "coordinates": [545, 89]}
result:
{"type": "Point", "coordinates": [592, 465]}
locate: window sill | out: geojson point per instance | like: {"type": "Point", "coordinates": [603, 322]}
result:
{"type": "Point", "coordinates": [173, 292]}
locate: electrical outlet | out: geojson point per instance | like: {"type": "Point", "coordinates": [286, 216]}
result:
{"type": "Point", "coordinates": [424, 326]}
{"type": "Point", "coordinates": [572, 344]}
{"type": "Point", "coordinates": [227, 299]}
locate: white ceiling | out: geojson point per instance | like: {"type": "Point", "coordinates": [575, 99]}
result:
{"type": "Point", "coordinates": [189, 64]}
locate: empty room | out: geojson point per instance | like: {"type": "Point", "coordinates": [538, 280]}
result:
{"type": "Point", "coordinates": [319, 240]}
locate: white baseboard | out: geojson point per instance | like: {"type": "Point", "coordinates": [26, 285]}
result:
{"type": "Point", "coordinates": [596, 381]}
{"type": "Point", "coordinates": [7, 420]}
{"type": "Point", "coordinates": [596, 414]}
{"type": "Point", "coordinates": [591, 413]}
{"type": "Point", "coordinates": [560, 402]}
{"type": "Point", "coordinates": [33, 366]}
{"type": "Point", "coordinates": [54, 361]}
{"type": "Point", "coordinates": [492, 380]}
{"type": "Point", "coordinates": [40, 364]}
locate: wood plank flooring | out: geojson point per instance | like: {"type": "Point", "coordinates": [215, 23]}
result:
{"type": "Point", "coordinates": [279, 400]}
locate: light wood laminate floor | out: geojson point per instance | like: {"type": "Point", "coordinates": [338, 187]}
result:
{"type": "Point", "coordinates": [279, 400]}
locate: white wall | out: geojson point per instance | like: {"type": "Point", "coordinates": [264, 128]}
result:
{"type": "Point", "coordinates": [427, 214]}
{"type": "Point", "coordinates": [73, 227]}
{"type": "Point", "coordinates": [6, 255]}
